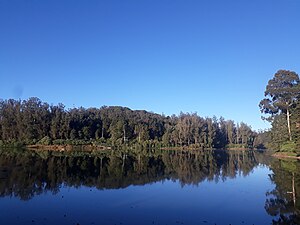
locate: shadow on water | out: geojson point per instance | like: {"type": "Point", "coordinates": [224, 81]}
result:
{"type": "Point", "coordinates": [284, 200]}
{"type": "Point", "coordinates": [25, 174]}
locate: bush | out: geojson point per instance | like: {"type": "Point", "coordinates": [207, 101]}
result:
{"type": "Point", "coordinates": [17, 144]}
{"type": "Point", "coordinates": [288, 146]}
{"type": "Point", "coordinates": [45, 141]}
{"type": "Point", "coordinates": [58, 142]}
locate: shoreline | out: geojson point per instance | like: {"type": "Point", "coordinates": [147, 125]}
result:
{"type": "Point", "coordinates": [90, 147]}
{"type": "Point", "coordinates": [94, 147]}
{"type": "Point", "coordinates": [284, 155]}
{"type": "Point", "coordinates": [67, 147]}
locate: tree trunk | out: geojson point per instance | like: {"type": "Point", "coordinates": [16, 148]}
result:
{"type": "Point", "coordinates": [124, 134]}
{"type": "Point", "coordinates": [123, 162]}
{"type": "Point", "coordinates": [294, 191]}
{"type": "Point", "coordinates": [288, 123]}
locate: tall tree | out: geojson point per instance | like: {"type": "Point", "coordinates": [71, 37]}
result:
{"type": "Point", "coordinates": [296, 125]}
{"type": "Point", "coordinates": [282, 92]}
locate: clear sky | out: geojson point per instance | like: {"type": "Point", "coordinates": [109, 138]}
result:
{"type": "Point", "coordinates": [166, 56]}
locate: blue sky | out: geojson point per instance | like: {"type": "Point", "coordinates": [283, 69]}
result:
{"type": "Point", "coordinates": [211, 57]}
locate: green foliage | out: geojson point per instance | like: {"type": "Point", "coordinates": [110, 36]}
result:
{"type": "Point", "coordinates": [76, 142]}
{"type": "Point", "coordinates": [33, 121]}
{"type": "Point", "coordinates": [283, 105]}
{"type": "Point", "coordinates": [262, 140]}
{"type": "Point", "coordinates": [12, 144]}
{"type": "Point", "coordinates": [17, 144]}
{"type": "Point", "coordinates": [288, 146]}
{"type": "Point", "coordinates": [58, 142]}
{"type": "Point", "coordinates": [45, 141]}
{"type": "Point", "coordinates": [281, 92]}
{"type": "Point", "coordinates": [100, 141]}
{"type": "Point", "coordinates": [295, 126]}
{"type": "Point", "coordinates": [288, 165]}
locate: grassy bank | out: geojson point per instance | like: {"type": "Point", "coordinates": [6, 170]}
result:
{"type": "Point", "coordinates": [290, 155]}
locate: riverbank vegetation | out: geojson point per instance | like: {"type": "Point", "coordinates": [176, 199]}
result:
{"type": "Point", "coordinates": [282, 105]}
{"type": "Point", "coordinates": [32, 122]}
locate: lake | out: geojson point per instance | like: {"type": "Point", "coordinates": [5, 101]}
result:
{"type": "Point", "coordinates": [147, 187]}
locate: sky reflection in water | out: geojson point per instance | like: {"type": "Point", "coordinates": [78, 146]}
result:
{"type": "Point", "coordinates": [205, 188]}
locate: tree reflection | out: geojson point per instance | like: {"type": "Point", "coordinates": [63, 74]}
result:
{"type": "Point", "coordinates": [284, 200]}
{"type": "Point", "coordinates": [25, 173]}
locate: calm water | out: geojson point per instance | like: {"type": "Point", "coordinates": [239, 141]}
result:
{"type": "Point", "coordinates": [147, 187]}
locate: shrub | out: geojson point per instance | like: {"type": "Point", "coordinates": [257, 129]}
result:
{"type": "Point", "coordinates": [288, 146]}
{"type": "Point", "coordinates": [58, 142]}
{"type": "Point", "coordinates": [18, 144]}
{"type": "Point", "coordinates": [45, 141]}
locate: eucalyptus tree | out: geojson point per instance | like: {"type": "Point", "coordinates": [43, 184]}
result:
{"type": "Point", "coordinates": [296, 125]}
{"type": "Point", "coordinates": [231, 131]}
{"type": "Point", "coordinates": [282, 93]}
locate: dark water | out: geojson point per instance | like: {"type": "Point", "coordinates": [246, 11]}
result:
{"type": "Point", "coordinates": [148, 187]}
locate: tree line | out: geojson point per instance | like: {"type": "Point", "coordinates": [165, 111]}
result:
{"type": "Point", "coordinates": [282, 104]}
{"type": "Point", "coordinates": [35, 122]}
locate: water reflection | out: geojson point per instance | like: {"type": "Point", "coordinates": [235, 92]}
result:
{"type": "Point", "coordinates": [284, 200]}
{"type": "Point", "coordinates": [25, 174]}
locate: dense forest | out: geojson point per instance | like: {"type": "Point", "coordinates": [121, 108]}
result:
{"type": "Point", "coordinates": [282, 104]}
{"type": "Point", "coordinates": [27, 122]}
{"type": "Point", "coordinates": [35, 122]}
